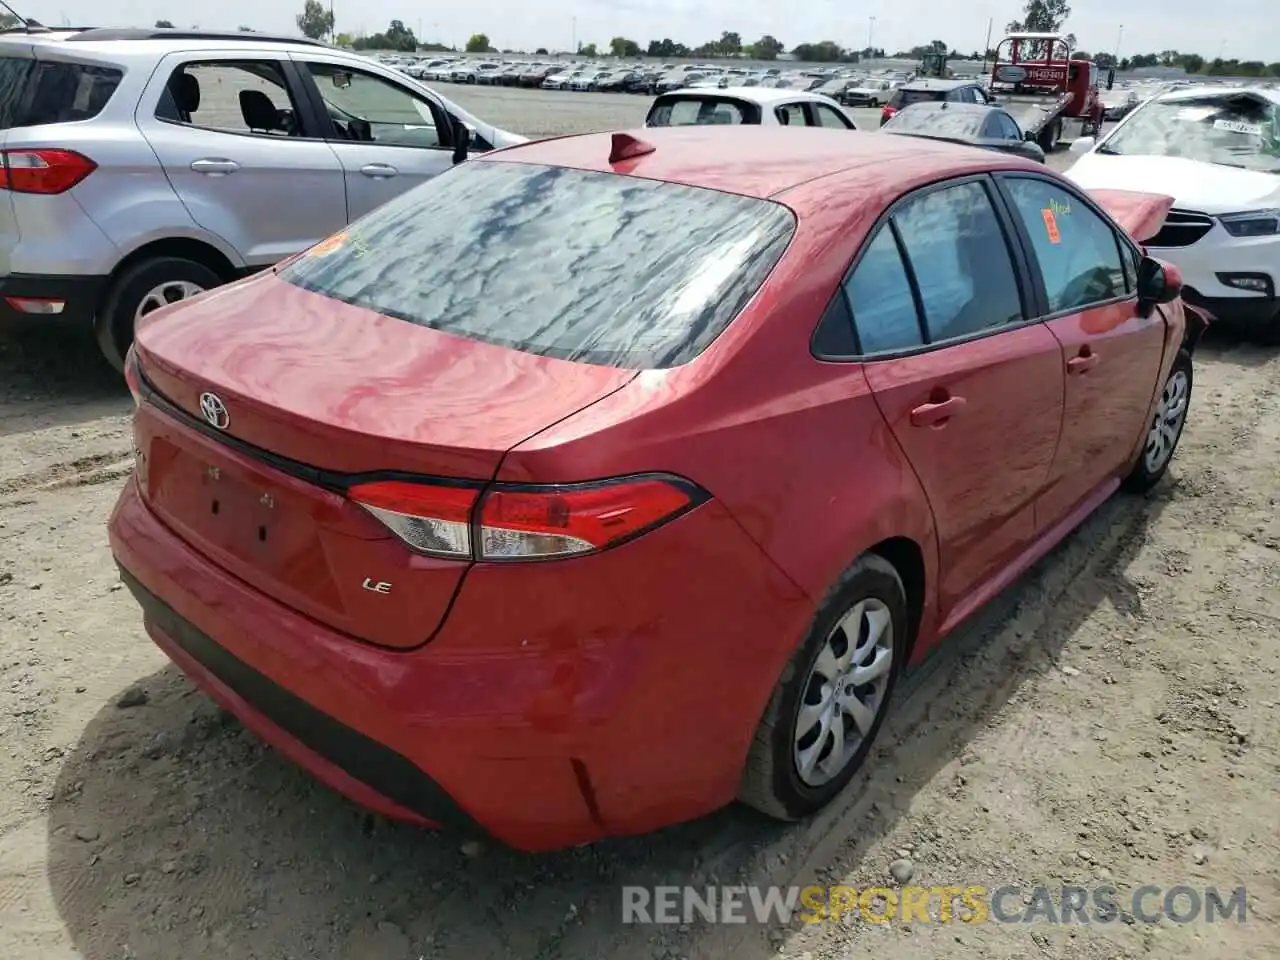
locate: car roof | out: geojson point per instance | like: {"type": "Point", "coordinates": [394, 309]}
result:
{"type": "Point", "coordinates": [103, 39]}
{"type": "Point", "coordinates": [752, 160]}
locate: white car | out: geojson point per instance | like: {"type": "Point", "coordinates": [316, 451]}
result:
{"type": "Point", "coordinates": [1216, 151]}
{"type": "Point", "coordinates": [764, 106]}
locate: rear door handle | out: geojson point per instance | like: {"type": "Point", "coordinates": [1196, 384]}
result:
{"type": "Point", "coordinates": [215, 166]}
{"type": "Point", "coordinates": [1083, 363]}
{"type": "Point", "coordinates": [379, 170]}
{"type": "Point", "coordinates": [936, 414]}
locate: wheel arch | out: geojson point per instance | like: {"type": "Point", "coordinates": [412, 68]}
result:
{"type": "Point", "coordinates": [907, 557]}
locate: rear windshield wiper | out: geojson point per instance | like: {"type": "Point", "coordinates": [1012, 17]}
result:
{"type": "Point", "coordinates": [1109, 151]}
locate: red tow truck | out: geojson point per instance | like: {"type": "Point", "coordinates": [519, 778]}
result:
{"type": "Point", "coordinates": [1051, 94]}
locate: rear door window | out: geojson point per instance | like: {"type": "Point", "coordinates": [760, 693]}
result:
{"type": "Point", "coordinates": [960, 260]}
{"type": "Point", "coordinates": [571, 264]}
{"type": "Point", "coordinates": [231, 96]}
{"type": "Point", "coordinates": [34, 92]}
{"type": "Point", "coordinates": [790, 115]}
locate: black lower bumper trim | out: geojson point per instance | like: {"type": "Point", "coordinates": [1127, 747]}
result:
{"type": "Point", "coordinates": [1236, 310]}
{"type": "Point", "coordinates": [79, 294]}
{"type": "Point", "coordinates": [376, 765]}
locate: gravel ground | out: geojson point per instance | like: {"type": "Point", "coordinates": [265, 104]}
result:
{"type": "Point", "coordinates": [1113, 717]}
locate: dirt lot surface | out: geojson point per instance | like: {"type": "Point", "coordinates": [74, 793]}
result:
{"type": "Point", "coordinates": [1113, 718]}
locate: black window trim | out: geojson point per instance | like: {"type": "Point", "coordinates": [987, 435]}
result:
{"type": "Point", "coordinates": [309, 128]}
{"type": "Point", "coordinates": [324, 123]}
{"type": "Point", "coordinates": [1122, 239]}
{"type": "Point", "coordinates": [1028, 295]}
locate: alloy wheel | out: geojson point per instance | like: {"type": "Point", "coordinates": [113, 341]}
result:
{"type": "Point", "coordinates": [1166, 423]}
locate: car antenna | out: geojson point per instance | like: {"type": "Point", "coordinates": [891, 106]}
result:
{"type": "Point", "coordinates": [624, 147]}
{"type": "Point", "coordinates": [30, 26]}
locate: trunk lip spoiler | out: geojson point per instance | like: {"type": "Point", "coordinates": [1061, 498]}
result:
{"type": "Point", "coordinates": [1139, 213]}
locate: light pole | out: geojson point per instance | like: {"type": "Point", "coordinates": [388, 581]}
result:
{"type": "Point", "coordinates": [574, 47]}
{"type": "Point", "coordinates": [1115, 57]}
{"type": "Point", "coordinates": [871, 32]}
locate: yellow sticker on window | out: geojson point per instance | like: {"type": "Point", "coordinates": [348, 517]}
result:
{"type": "Point", "coordinates": [1051, 225]}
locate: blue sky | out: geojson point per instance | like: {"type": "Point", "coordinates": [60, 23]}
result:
{"type": "Point", "coordinates": [1239, 28]}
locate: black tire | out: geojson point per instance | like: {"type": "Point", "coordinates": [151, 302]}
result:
{"type": "Point", "coordinates": [114, 323]}
{"type": "Point", "coordinates": [1268, 334]}
{"type": "Point", "coordinates": [770, 781]}
{"type": "Point", "coordinates": [1144, 476]}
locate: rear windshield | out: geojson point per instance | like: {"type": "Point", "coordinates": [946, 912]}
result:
{"type": "Point", "coordinates": [34, 92]}
{"type": "Point", "coordinates": [693, 111]}
{"type": "Point", "coordinates": [904, 98]}
{"type": "Point", "coordinates": [593, 267]}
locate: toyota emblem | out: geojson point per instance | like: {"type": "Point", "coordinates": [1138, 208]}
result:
{"type": "Point", "coordinates": [214, 411]}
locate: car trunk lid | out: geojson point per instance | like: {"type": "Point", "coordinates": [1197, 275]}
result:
{"type": "Point", "coordinates": [1141, 214]}
{"type": "Point", "coordinates": [312, 396]}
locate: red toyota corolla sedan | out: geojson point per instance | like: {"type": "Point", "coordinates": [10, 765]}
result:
{"type": "Point", "coordinates": [600, 482]}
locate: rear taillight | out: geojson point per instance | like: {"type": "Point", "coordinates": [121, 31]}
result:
{"type": "Point", "coordinates": [43, 171]}
{"type": "Point", "coordinates": [886, 113]}
{"type": "Point", "coordinates": [510, 522]}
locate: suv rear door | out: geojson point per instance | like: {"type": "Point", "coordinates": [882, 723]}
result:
{"type": "Point", "coordinates": [388, 137]}
{"type": "Point", "coordinates": [241, 148]}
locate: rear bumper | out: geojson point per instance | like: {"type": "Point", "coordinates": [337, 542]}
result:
{"type": "Point", "coordinates": [79, 297]}
{"type": "Point", "coordinates": [559, 703]}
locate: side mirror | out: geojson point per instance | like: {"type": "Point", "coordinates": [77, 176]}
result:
{"type": "Point", "coordinates": [461, 141]}
{"type": "Point", "coordinates": [1082, 145]}
{"type": "Point", "coordinates": [1158, 282]}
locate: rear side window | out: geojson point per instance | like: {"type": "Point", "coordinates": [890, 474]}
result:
{"type": "Point", "coordinates": [34, 92]}
{"type": "Point", "coordinates": [576, 265]}
{"type": "Point", "coordinates": [879, 292]}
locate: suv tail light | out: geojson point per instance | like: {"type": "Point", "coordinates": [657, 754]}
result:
{"type": "Point", "coordinates": [525, 522]}
{"type": "Point", "coordinates": [43, 171]}
{"type": "Point", "coordinates": [887, 112]}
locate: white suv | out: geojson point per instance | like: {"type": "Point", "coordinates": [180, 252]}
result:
{"type": "Point", "coordinates": [140, 167]}
{"type": "Point", "coordinates": [1216, 151]}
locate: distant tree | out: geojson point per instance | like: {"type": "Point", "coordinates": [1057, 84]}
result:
{"type": "Point", "coordinates": [1041, 16]}
{"type": "Point", "coordinates": [730, 43]}
{"type": "Point", "coordinates": [164, 24]}
{"type": "Point", "coordinates": [1193, 63]}
{"type": "Point", "coordinates": [766, 48]}
{"type": "Point", "coordinates": [667, 49]}
{"type": "Point", "coordinates": [344, 40]}
{"type": "Point", "coordinates": [622, 47]}
{"type": "Point", "coordinates": [478, 43]}
{"type": "Point", "coordinates": [588, 50]}
{"type": "Point", "coordinates": [827, 51]}
{"type": "Point", "coordinates": [315, 21]}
